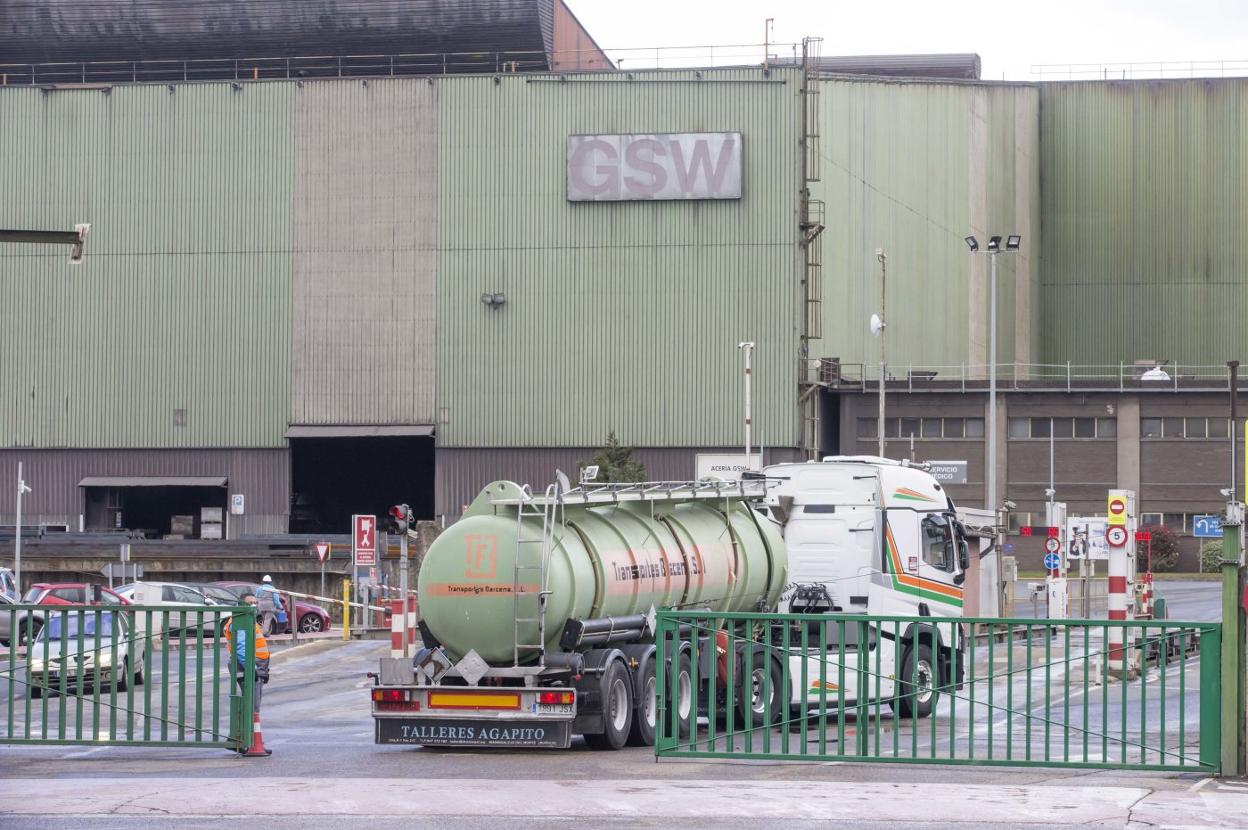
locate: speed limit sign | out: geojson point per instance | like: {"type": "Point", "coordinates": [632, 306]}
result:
{"type": "Point", "coordinates": [1052, 545]}
{"type": "Point", "coordinates": [1116, 535]}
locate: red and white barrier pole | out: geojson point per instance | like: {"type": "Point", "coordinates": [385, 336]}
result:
{"type": "Point", "coordinates": [397, 621]}
{"type": "Point", "coordinates": [1117, 600]}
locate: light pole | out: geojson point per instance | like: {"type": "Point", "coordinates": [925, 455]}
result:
{"type": "Point", "coordinates": [748, 348]}
{"type": "Point", "coordinates": [877, 330]}
{"type": "Point", "coordinates": [1012, 243]}
{"type": "Point", "coordinates": [22, 489]}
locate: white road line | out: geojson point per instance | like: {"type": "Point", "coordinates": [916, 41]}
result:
{"type": "Point", "coordinates": [1204, 782]}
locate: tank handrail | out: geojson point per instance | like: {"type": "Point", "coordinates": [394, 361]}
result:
{"type": "Point", "coordinates": [613, 492]}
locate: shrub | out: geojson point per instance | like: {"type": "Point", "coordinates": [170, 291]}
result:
{"type": "Point", "coordinates": [1211, 556]}
{"type": "Point", "coordinates": [1165, 549]}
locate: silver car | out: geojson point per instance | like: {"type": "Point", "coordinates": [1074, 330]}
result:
{"type": "Point", "coordinates": [96, 649]}
{"type": "Point", "coordinates": [26, 621]}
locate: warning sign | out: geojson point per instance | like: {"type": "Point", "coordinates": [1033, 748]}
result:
{"type": "Point", "coordinates": [364, 540]}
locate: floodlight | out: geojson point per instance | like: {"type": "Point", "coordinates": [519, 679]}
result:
{"type": "Point", "coordinates": [1013, 241]}
{"type": "Point", "coordinates": [972, 243]}
{"type": "Point", "coordinates": [994, 245]}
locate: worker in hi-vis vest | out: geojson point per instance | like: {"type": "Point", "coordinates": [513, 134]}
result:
{"type": "Point", "coordinates": [238, 648]}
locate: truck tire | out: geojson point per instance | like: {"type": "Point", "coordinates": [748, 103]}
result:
{"type": "Point", "coordinates": [617, 708]}
{"type": "Point", "coordinates": [645, 715]}
{"type": "Point", "coordinates": [917, 685]}
{"type": "Point", "coordinates": [764, 676]}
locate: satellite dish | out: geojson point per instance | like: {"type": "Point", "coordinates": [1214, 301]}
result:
{"type": "Point", "coordinates": [877, 325]}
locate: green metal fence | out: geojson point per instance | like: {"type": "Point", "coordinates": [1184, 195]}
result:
{"type": "Point", "coordinates": [927, 690]}
{"type": "Point", "coordinates": [124, 675]}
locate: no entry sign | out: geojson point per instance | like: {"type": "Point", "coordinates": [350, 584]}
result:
{"type": "Point", "coordinates": [1117, 510]}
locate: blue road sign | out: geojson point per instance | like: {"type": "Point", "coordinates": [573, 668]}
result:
{"type": "Point", "coordinates": [1052, 561]}
{"type": "Point", "coordinates": [1008, 547]}
{"type": "Point", "coordinates": [1207, 526]}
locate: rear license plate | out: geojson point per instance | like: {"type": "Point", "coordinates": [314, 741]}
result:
{"type": "Point", "coordinates": [552, 708]}
{"type": "Point", "coordinates": [456, 732]}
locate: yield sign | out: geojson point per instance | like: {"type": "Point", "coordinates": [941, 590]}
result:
{"type": "Point", "coordinates": [322, 551]}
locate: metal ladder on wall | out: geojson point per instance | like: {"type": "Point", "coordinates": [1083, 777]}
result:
{"type": "Point", "coordinates": [531, 565]}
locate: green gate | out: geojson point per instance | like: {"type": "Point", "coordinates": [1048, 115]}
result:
{"type": "Point", "coordinates": [1070, 693]}
{"type": "Point", "coordinates": [124, 675]}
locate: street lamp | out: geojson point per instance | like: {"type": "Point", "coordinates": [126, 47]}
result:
{"type": "Point", "coordinates": [1012, 244]}
{"type": "Point", "coordinates": [748, 348]}
{"type": "Point", "coordinates": [878, 325]}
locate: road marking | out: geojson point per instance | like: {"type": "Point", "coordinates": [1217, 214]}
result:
{"type": "Point", "coordinates": [1200, 784]}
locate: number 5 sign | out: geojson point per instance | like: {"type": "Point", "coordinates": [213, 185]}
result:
{"type": "Point", "coordinates": [364, 540]}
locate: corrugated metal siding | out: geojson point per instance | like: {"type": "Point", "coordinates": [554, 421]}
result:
{"type": "Point", "coordinates": [461, 473]}
{"type": "Point", "coordinates": [619, 316]}
{"type": "Point", "coordinates": [365, 262]}
{"type": "Point", "coordinates": [913, 168]}
{"type": "Point", "coordinates": [1145, 250]}
{"type": "Point", "coordinates": [263, 476]}
{"type": "Point", "coordinates": [183, 301]}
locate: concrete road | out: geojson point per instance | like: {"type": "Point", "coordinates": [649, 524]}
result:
{"type": "Point", "coordinates": [326, 772]}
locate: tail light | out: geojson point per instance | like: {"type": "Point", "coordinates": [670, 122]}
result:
{"type": "Point", "coordinates": [389, 695]}
{"type": "Point", "coordinates": [556, 697]}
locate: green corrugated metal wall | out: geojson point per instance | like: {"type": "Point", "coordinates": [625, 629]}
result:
{"type": "Point", "coordinates": [1145, 242]}
{"type": "Point", "coordinates": [621, 316]}
{"type": "Point", "coordinates": [183, 302]}
{"type": "Point", "coordinates": [913, 168]}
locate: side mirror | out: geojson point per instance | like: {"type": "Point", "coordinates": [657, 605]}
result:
{"type": "Point", "coordinates": [964, 556]}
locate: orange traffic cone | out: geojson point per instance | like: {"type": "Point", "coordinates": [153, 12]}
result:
{"type": "Point", "coordinates": [257, 749]}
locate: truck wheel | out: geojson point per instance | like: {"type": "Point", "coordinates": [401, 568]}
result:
{"type": "Point", "coordinates": [617, 708]}
{"type": "Point", "coordinates": [645, 716]}
{"type": "Point", "coordinates": [916, 688]}
{"type": "Point", "coordinates": [760, 692]}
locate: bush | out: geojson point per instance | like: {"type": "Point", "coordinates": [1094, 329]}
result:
{"type": "Point", "coordinates": [615, 463]}
{"type": "Point", "coordinates": [1211, 557]}
{"type": "Point", "coordinates": [1165, 549]}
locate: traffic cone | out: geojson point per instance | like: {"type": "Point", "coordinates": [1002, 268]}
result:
{"type": "Point", "coordinates": [257, 749]}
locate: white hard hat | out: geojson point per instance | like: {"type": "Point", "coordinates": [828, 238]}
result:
{"type": "Point", "coordinates": [266, 578]}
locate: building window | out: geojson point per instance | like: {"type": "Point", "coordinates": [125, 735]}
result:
{"type": "Point", "coordinates": [1020, 428]}
{"type": "Point", "coordinates": [922, 428]}
{"type": "Point", "coordinates": [1019, 520]}
{"type": "Point", "coordinates": [1152, 519]}
{"type": "Point", "coordinates": [1183, 427]}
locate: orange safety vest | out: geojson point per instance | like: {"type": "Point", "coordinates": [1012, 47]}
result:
{"type": "Point", "coordinates": [262, 645]}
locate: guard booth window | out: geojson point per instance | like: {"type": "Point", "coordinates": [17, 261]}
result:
{"type": "Point", "coordinates": [938, 543]}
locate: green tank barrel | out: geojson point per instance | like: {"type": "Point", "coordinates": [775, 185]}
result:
{"type": "Point", "coordinates": [606, 560]}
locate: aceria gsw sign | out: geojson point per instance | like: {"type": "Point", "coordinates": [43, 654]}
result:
{"type": "Point", "coordinates": [654, 166]}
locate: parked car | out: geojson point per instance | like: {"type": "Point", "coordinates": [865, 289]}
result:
{"type": "Point", "coordinates": [309, 617]}
{"type": "Point", "coordinates": [174, 596]}
{"type": "Point", "coordinates": [95, 648]}
{"type": "Point", "coordinates": [8, 584]}
{"type": "Point", "coordinates": [12, 618]}
{"type": "Point", "coordinates": [69, 593]}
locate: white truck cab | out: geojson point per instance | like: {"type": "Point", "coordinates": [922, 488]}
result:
{"type": "Point", "coordinates": [873, 536]}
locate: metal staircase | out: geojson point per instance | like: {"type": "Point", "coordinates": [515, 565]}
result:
{"type": "Point", "coordinates": [531, 565]}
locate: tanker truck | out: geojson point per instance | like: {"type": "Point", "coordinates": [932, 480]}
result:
{"type": "Point", "coordinates": [537, 612]}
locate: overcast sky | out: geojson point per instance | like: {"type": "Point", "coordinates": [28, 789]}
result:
{"type": "Point", "coordinates": [1009, 36]}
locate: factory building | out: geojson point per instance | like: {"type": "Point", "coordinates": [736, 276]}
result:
{"type": "Point", "coordinates": [305, 297]}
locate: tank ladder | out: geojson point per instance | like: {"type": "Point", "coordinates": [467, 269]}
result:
{"type": "Point", "coordinates": [532, 562]}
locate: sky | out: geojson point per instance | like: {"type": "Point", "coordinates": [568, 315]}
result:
{"type": "Point", "coordinates": [1010, 37]}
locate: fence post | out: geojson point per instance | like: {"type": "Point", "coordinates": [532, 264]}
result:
{"type": "Point", "coordinates": [346, 609]}
{"type": "Point", "coordinates": [1210, 697]}
{"type": "Point", "coordinates": [1234, 712]}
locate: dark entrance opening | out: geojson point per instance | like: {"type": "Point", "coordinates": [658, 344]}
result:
{"type": "Point", "coordinates": [333, 478]}
{"type": "Point", "coordinates": [157, 511]}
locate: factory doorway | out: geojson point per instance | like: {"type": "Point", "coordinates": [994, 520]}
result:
{"type": "Point", "coordinates": [333, 478]}
{"type": "Point", "coordinates": [158, 507]}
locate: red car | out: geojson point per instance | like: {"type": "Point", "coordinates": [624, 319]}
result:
{"type": "Point", "coordinates": [69, 593]}
{"type": "Point", "coordinates": [309, 617]}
